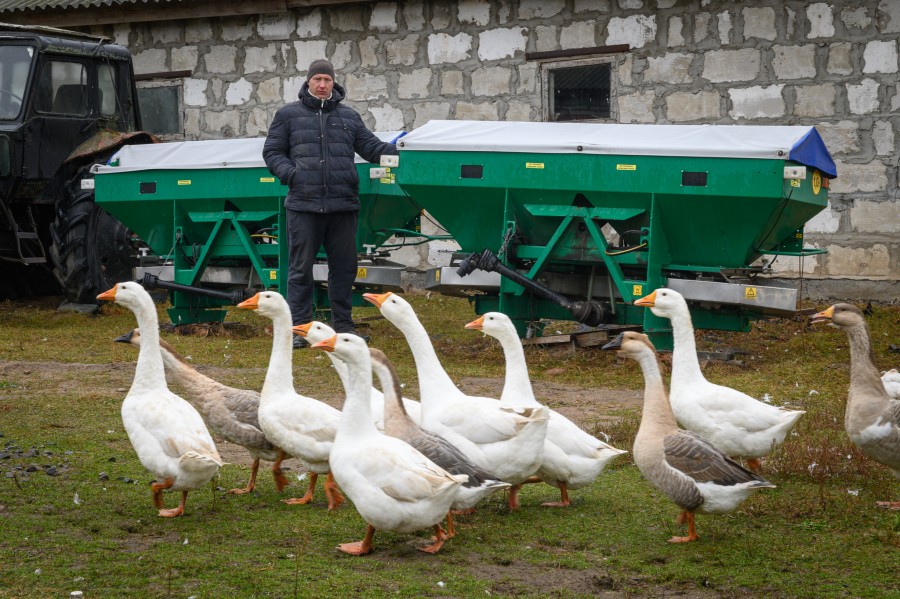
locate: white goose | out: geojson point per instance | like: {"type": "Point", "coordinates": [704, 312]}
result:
{"type": "Point", "coordinates": [393, 486]}
{"type": "Point", "coordinates": [301, 426]}
{"type": "Point", "coordinates": [872, 418]}
{"type": "Point", "coordinates": [689, 470]}
{"type": "Point", "coordinates": [167, 433]}
{"type": "Point", "coordinates": [228, 412]}
{"type": "Point", "coordinates": [736, 423]}
{"type": "Point", "coordinates": [572, 458]}
{"type": "Point", "coordinates": [316, 331]}
{"type": "Point", "coordinates": [891, 381]}
{"type": "Point", "coordinates": [500, 438]}
{"type": "Point", "coordinates": [399, 425]}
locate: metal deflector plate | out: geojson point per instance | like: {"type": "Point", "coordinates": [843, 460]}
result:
{"type": "Point", "coordinates": [774, 301]}
{"type": "Point", "coordinates": [445, 280]}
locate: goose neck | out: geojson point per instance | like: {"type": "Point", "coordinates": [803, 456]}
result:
{"type": "Point", "coordinates": [149, 371]}
{"type": "Point", "coordinates": [433, 379]}
{"type": "Point", "coordinates": [864, 376]}
{"type": "Point", "coordinates": [517, 384]}
{"type": "Point", "coordinates": [685, 365]}
{"type": "Point", "coordinates": [279, 376]}
{"type": "Point", "coordinates": [657, 410]}
{"type": "Point", "coordinates": [356, 415]}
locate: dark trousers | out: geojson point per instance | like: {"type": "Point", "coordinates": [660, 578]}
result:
{"type": "Point", "coordinates": [307, 231]}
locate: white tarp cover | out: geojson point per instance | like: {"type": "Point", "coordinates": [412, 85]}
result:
{"type": "Point", "coordinates": [206, 154]}
{"type": "Point", "coordinates": [717, 141]}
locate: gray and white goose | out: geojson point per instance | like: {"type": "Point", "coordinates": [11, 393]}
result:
{"type": "Point", "coordinates": [872, 418]}
{"type": "Point", "coordinates": [689, 470]}
{"type": "Point", "coordinates": [230, 413]}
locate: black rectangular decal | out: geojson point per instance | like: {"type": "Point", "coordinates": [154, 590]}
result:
{"type": "Point", "coordinates": [471, 171]}
{"type": "Point", "coordinates": [148, 186]}
{"type": "Point", "coordinates": [689, 179]}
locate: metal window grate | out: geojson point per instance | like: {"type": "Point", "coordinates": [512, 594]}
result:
{"type": "Point", "coordinates": [580, 93]}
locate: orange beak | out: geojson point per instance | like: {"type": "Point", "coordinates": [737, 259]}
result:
{"type": "Point", "coordinates": [250, 304]}
{"type": "Point", "coordinates": [327, 345]}
{"type": "Point", "coordinates": [648, 301]}
{"type": "Point", "coordinates": [476, 325]}
{"type": "Point", "coordinates": [377, 298]}
{"type": "Point", "coordinates": [823, 316]}
{"type": "Point", "coordinates": [302, 329]}
{"type": "Point", "coordinates": [109, 295]}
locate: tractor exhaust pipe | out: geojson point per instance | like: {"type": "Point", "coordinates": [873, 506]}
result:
{"type": "Point", "coordinates": [587, 312]}
{"type": "Point", "coordinates": [235, 297]}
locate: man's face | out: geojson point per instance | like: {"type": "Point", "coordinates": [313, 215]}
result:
{"type": "Point", "coordinates": [321, 86]}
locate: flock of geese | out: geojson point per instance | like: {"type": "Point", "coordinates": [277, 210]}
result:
{"type": "Point", "coordinates": [406, 465]}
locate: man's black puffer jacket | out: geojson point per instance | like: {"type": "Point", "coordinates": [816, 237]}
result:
{"type": "Point", "coordinates": [310, 148]}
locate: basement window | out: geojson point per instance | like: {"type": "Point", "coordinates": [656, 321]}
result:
{"type": "Point", "coordinates": [578, 90]}
{"type": "Point", "coordinates": [162, 108]}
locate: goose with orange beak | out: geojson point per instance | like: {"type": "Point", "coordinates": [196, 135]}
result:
{"type": "Point", "coordinates": [167, 433]}
{"type": "Point", "coordinates": [392, 485]}
{"type": "Point", "coordinates": [316, 331]}
{"type": "Point", "coordinates": [572, 458]}
{"type": "Point", "coordinates": [301, 426]}
{"type": "Point", "coordinates": [500, 438]}
{"type": "Point", "coordinates": [736, 423]}
{"type": "Point", "coordinates": [872, 418]}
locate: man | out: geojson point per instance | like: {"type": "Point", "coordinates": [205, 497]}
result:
{"type": "Point", "coordinates": [310, 148]}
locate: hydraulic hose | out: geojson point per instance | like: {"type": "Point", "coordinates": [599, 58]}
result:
{"type": "Point", "coordinates": [232, 297]}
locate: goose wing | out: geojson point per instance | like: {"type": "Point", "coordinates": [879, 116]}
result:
{"type": "Point", "coordinates": [401, 472]}
{"type": "Point", "coordinates": [697, 458]}
{"type": "Point", "coordinates": [483, 420]}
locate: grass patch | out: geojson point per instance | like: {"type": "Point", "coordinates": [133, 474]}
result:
{"type": "Point", "coordinates": [75, 510]}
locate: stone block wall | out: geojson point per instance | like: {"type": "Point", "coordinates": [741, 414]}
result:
{"type": "Point", "coordinates": [832, 64]}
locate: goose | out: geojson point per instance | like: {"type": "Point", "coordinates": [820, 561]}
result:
{"type": "Point", "coordinates": [891, 382]}
{"type": "Point", "coordinates": [572, 458]}
{"type": "Point", "coordinates": [393, 486]}
{"type": "Point", "coordinates": [167, 433]}
{"type": "Point", "coordinates": [736, 423]}
{"type": "Point", "coordinates": [316, 331]}
{"type": "Point", "coordinates": [872, 418]}
{"type": "Point", "coordinates": [228, 412]}
{"type": "Point", "coordinates": [398, 424]}
{"type": "Point", "coordinates": [503, 439]}
{"type": "Point", "coordinates": [684, 466]}
{"type": "Point", "coordinates": [301, 426]}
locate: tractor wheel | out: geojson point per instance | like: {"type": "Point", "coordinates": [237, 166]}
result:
{"type": "Point", "coordinates": [91, 250]}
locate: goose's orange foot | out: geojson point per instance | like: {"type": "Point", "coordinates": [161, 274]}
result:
{"type": "Point", "coordinates": [513, 500]}
{"type": "Point", "coordinates": [244, 491]}
{"type": "Point", "coordinates": [280, 480]}
{"type": "Point", "coordinates": [172, 513]}
{"type": "Point", "coordinates": [334, 495]}
{"type": "Point", "coordinates": [439, 537]}
{"type": "Point", "coordinates": [298, 500]}
{"type": "Point", "coordinates": [753, 464]}
{"type": "Point", "coordinates": [890, 505]}
{"type": "Point", "coordinates": [686, 539]}
{"type": "Point", "coordinates": [464, 512]}
{"type": "Point", "coordinates": [157, 490]}
{"type": "Point", "coordinates": [360, 547]}
{"type": "Point", "coordinates": [564, 497]}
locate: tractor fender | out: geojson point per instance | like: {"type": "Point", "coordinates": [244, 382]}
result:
{"type": "Point", "coordinates": [105, 141]}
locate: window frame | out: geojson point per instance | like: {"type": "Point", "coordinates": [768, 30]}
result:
{"type": "Point", "coordinates": [166, 82]}
{"type": "Point", "coordinates": [546, 66]}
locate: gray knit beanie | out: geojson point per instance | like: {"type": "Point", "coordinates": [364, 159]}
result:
{"type": "Point", "coordinates": [320, 67]}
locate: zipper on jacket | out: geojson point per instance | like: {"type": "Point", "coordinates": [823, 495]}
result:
{"type": "Point", "coordinates": [324, 153]}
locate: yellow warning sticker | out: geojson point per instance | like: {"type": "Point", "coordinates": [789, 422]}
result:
{"type": "Point", "coordinates": [267, 179]}
{"type": "Point", "coordinates": [437, 275]}
{"type": "Point", "coordinates": [534, 165]}
{"type": "Point", "coordinates": [184, 181]}
{"type": "Point", "coordinates": [795, 182]}
{"type": "Point", "coordinates": [750, 293]}
{"type": "Point", "coordinates": [273, 274]}
{"type": "Point", "coordinates": [362, 273]}
{"type": "Point", "coordinates": [637, 290]}
{"type": "Point", "coordinates": [626, 167]}
{"type": "Point", "coordinates": [817, 182]}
